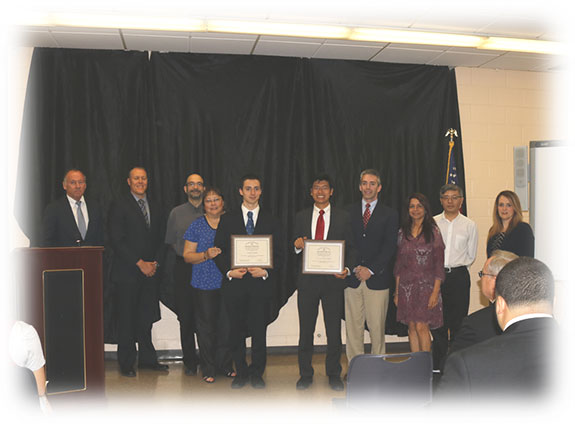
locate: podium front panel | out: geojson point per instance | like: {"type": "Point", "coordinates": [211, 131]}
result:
{"type": "Point", "coordinates": [64, 335]}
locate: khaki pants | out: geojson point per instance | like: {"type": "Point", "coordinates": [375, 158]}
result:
{"type": "Point", "coordinates": [364, 305]}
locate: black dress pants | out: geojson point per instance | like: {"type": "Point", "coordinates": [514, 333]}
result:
{"type": "Point", "coordinates": [137, 304]}
{"type": "Point", "coordinates": [455, 297]}
{"type": "Point", "coordinates": [185, 311]}
{"type": "Point", "coordinates": [212, 325]}
{"type": "Point", "coordinates": [331, 296]}
{"type": "Point", "coordinates": [248, 315]}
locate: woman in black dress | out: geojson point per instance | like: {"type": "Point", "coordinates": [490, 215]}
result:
{"type": "Point", "coordinates": [508, 231]}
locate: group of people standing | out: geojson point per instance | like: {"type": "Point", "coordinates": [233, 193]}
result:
{"type": "Point", "coordinates": [423, 258]}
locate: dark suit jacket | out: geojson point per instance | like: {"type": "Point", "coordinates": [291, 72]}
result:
{"type": "Point", "coordinates": [131, 240]}
{"type": "Point", "coordinates": [475, 328]}
{"type": "Point", "coordinates": [515, 363]}
{"type": "Point", "coordinates": [339, 229]}
{"type": "Point", "coordinates": [376, 245]}
{"type": "Point", "coordinates": [59, 228]}
{"type": "Point", "coordinates": [232, 223]}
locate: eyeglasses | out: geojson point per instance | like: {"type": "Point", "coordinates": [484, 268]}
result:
{"type": "Point", "coordinates": [452, 198]}
{"type": "Point", "coordinates": [481, 274]}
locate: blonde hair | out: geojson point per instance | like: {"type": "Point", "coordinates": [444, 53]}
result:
{"type": "Point", "coordinates": [497, 226]}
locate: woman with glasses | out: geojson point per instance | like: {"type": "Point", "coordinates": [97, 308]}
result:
{"type": "Point", "coordinates": [419, 272]}
{"type": "Point", "coordinates": [206, 283]}
{"type": "Point", "coordinates": [508, 231]}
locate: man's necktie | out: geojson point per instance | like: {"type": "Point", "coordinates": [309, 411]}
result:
{"type": "Point", "coordinates": [81, 220]}
{"type": "Point", "coordinates": [319, 227]}
{"type": "Point", "coordinates": [142, 204]}
{"type": "Point", "coordinates": [250, 224]}
{"type": "Point", "coordinates": [366, 215]}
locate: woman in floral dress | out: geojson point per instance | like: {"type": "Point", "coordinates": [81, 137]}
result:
{"type": "Point", "coordinates": [418, 273]}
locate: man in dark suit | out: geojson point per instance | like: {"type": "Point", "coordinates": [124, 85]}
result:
{"type": "Point", "coordinates": [374, 227]}
{"type": "Point", "coordinates": [482, 324]}
{"type": "Point", "coordinates": [515, 364]}
{"type": "Point", "coordinates": [136, 229]}
{"type": "Point", "coordinates": [321, 222]}
{"type": "Point", "coordinates": [72, 220]}
{"type": "Point", "coordinates": [247, 292]}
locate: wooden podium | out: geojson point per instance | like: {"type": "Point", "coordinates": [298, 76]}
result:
{"type": "Point", "coordinates": [62, 297]}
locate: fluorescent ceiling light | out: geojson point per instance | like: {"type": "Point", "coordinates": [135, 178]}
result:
{"type": "Point", "coordinates": [154, 23]}
{"type": "Point", "coordinates": [415, 37]}
{"type": "Point", "coordinates": [522, 45]}
{"type": "Point", "coordinates": [280, 29]}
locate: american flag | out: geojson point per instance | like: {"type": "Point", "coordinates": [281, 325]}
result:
{"type": "Point", "coordinates": [451, 169]}
{"type": "Point", "coordinates": [451, 176]}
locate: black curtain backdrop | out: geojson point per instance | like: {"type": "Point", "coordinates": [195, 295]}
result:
{"type": "Point", "coordinates": [222, 116]}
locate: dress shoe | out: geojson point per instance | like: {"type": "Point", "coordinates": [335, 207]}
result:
{"type": "Point", "coordinates": [335, 383]}
{"type": "Point", "coordinates": [191, 371]}
{"type": "Point", "coordinates": [128, 373]}
{"type": "Point", "coordinates": [257, 382]}
{"type": "Point", "coordinates": [303, 383]}
{"type": "Point", "coordinates": [154, 367]}
{"type": "Point", "coordinates": [239, 381]}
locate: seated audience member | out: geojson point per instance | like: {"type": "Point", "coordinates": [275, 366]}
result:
{"type": "Point", "coordinates": [26, 352]}
{"type": "Point", "coordinates": [482, 324]}
{"type": "Point", "coordinates": [515, 365]}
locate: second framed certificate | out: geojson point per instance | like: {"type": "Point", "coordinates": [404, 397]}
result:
{"type": "Point", "coordinates": [252, 251]}
{"type": "Point", "coordinates": [323, 256]}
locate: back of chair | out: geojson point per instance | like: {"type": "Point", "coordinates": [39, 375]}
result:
{"type": "Point", "coordinates": [377, 379]}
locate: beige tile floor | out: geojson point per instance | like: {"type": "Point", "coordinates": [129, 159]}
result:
{"type": "Point", "coordinates": [281, 376]}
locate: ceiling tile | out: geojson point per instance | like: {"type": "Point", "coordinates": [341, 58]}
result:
{"type": "Point", "coordinates": [335, 51]}
{"type": "Point", "coordinates": [291, 39]}
{"type": "Point", "coordinates": [517, 27]}
{"type": "Point", "coordinates": [89, 40]}
{"type": "Point", "coordinates": [281, 48]}
{"type": "Point", "coordinates": [521, 63]}
{"type": "Point", "coordinates": [400, 55]}
{"type": "Point", "coordinates": [32, 38]}
{"type": "Point", "coordinates": [221, 45]}
{"type": "Point", "coordinates": [470, 60]}
{"type": "Point", "coordinates": [171, 43]}
{"type": "Point", "coordinates": [224, 35]}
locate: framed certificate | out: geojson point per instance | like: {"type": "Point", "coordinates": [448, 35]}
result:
{"type": "Point", "coordinates": [323, 256]}
{"type": "Point", "coordinates": [252, 251]}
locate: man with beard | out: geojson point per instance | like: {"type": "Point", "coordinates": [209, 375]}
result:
{"type": "Point", "coordinates": [178, 222]}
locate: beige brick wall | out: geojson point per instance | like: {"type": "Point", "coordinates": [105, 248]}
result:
{"type": "Point", "coordinates": [499, 110]}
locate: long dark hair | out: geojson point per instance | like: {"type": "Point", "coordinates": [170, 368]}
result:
{"type": "Point", "coordinates": [428, 221]}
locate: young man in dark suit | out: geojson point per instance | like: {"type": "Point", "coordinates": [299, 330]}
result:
{"type": "Point", "coordinates": [72, 220]}
{"type": "Point", "coordinates": [517, 364]}
{"type": "Point", "coordinates": [247, 292]}
{"type": "Point", "coordinates": [321, 222]}
{"type": "Point", "coordinates": [374, 228]}
{"type": "Point", "coordinates": [136, 230]}
{"type": "Point", "coordinates": [482, 324]}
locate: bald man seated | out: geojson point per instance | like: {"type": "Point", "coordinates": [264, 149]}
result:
{"type": "Point", "coordinates": [514, 365]}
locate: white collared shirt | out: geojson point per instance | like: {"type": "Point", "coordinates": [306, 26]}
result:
{"type": "Point", "coordinates": [83, 207]}
{"type": "Point", "coordinates": [524, 317]}
{"type": "Point", "coordinates": [255, 212]}
{"type": "Point", "coordinates": [460, 239]}
{"type": "Point", "coordinates": [371, 206]}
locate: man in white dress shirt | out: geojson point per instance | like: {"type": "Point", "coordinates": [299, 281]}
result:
{"type": "Point", "coordinates": [460, 238]}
